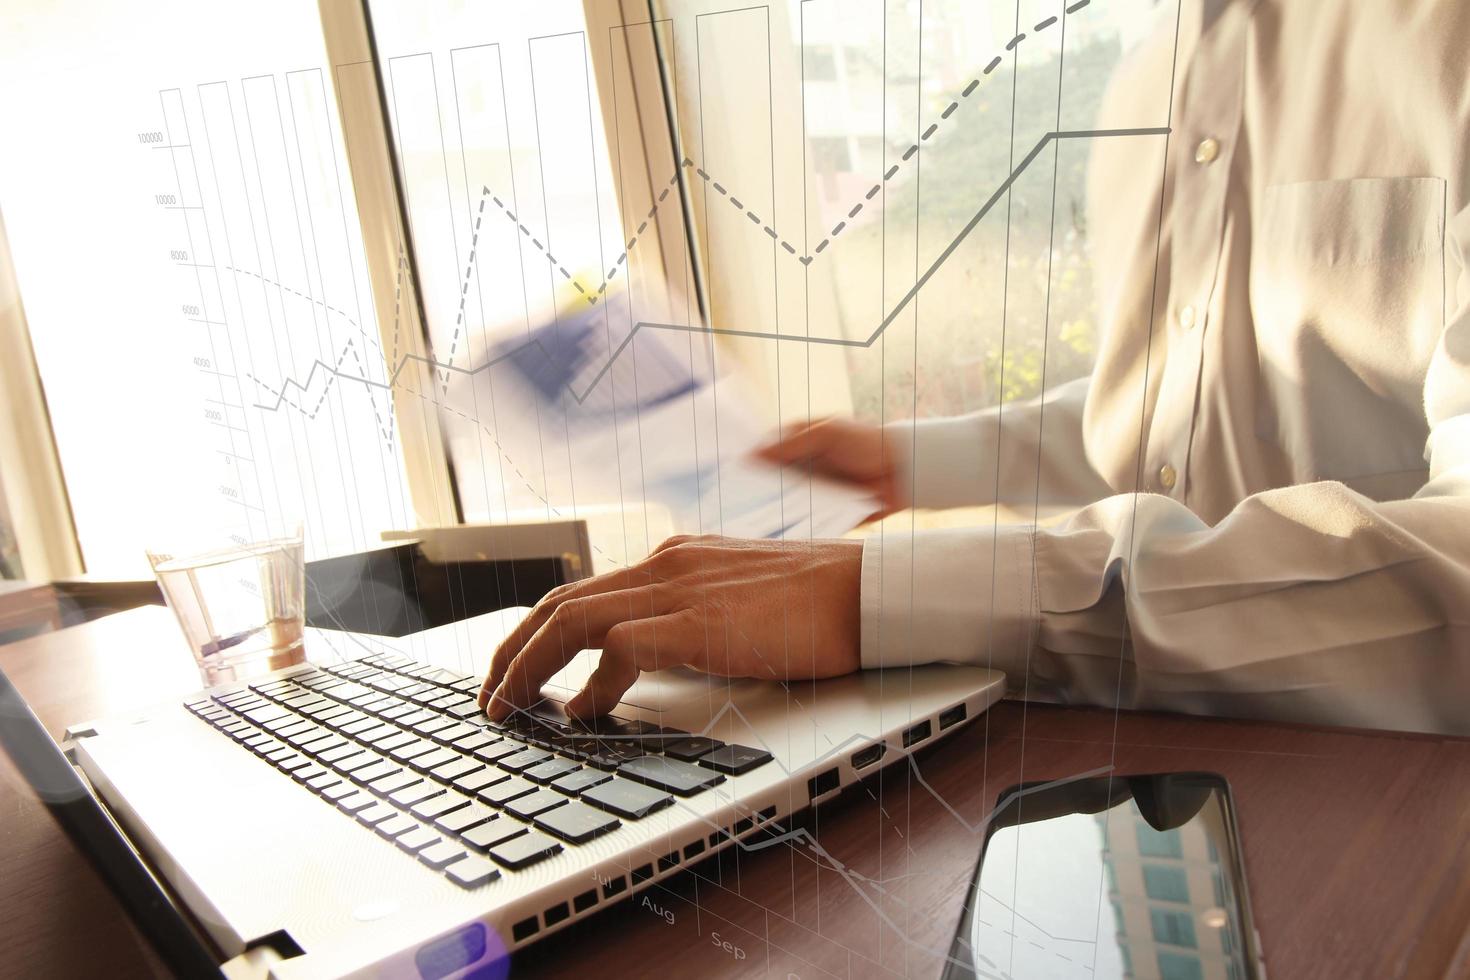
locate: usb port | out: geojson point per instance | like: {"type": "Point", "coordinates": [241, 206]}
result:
{"type": "Point", "coordinates": [952, 716]}
{"type": "Point", "coordinates": [863, 758]}
{"type": "Point", "coordinates": [916, 734]}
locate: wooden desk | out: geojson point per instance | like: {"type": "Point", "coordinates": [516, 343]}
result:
{"type": "Point", "coordinates": [1357, 844]}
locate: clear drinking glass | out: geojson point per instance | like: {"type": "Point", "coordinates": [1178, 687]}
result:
{"type": "Point", "coordinates": [241, 608]}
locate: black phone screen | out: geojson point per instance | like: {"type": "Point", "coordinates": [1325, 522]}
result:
{"type": "Point", "coordinates": [1110, 877]}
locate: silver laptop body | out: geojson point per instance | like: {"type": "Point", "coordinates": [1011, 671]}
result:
{"type": "Point", "coordinates": [269, 862]}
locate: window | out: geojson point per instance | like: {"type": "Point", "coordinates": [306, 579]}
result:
{"type": "Point", "coordinates": [1164, 883]}
{"type": "Point", "coordinates": [1172, 926]}
{"type": "Point", "coordinates": [1158, 843]}
{"type": "Point", "coordinates": [185, 238]}
{"type": "Point", "coordinates": [1015, 301]}
{"type": "Point", "coordinates": [1177, 966]}
{"type": "Point", "coordinates": [241, 359]}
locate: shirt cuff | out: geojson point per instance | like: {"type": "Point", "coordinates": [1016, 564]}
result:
{"type": "Point", "coordinates": [962, 596]}
{"type": "Point", "coordinates": [941, 462]}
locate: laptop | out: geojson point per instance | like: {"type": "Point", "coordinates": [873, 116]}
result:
{"type": "Point", "coordinates": [357, 815]}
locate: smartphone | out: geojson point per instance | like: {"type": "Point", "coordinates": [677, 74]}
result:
{"type": "Point", "coordinates": [1110, 877]}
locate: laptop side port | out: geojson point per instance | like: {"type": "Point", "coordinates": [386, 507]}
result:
{"type": "Point", "coordinates": [863, 758]}
{"type": "Point", "coordinates": [952, 716]}
{"type": "Point", "coordinates": [917, 733]}
{"type": "Point", "coordinates": [823, 782]}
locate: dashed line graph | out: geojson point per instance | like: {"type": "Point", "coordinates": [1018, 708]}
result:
{"type": "Point", "coordinates": [330, 371]}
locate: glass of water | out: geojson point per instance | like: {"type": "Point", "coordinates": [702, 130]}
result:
{"type": "Point", "coordinates": [241, 608]}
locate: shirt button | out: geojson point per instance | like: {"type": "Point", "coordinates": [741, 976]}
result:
{"type": "Point", "coordinates": [1167, 476]}
{"type": "Point", "coordinates": [1207, 151]}
{"type": "Point", "coordinates": [1187, 317]}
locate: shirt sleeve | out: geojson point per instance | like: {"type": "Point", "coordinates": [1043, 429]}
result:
{"type": "Point", "coordinates": [1309, 603]}
{"type": "Point", "coordinates": [955, 462]}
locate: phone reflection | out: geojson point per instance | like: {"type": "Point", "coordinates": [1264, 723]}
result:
{"type": "Point", "coordinates": [1110, 877]}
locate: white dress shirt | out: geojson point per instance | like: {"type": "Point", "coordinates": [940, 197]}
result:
{"type": "Point", "coordinates": [1283, 377]}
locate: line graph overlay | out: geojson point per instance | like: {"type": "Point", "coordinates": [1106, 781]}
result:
{"type": "Point", "coordinates": [321, 367]}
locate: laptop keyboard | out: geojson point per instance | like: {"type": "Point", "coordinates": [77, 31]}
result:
{"type": "Point", "coordinates": [404, 749]}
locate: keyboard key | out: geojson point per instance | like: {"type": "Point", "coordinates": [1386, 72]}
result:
{"type": "Point", "coordinates": [735, 760]}
{"type": "Point", "coordinates": [397, 739]}
{"type": "Point", "coordinates": [436, 805]}
{"type": "Point", "coordinates": [506, 790]}
{"type": "Point", "coordinates": [307, 731]}
{"type": "Point", "coordinates": [341, 752]}
{"type": "Point", "coordinates": [436, 724]}
{"type": "Point", "coordinates": [443, 701]}
{"type": "Point", "coordinates": [412, 750]}
{"type": "Point", "coordinates": [670, 774]}
{"type": "Point", "coordinates": [379, 731]}
{"type": "Point", "coordinates": [525, 850]}
{"type": "Point", "coordinates": [487, 835]}
{"type": "Point", "coordinates": [454, 733]}
{"type": "Point", "coordinates": [441, 854]}
{"type": "Point", "coordinates": [611, 755]}
{"type": "Point", "coordinates": [464, 709]}
{"type": "Point", "coordinates": [280, 754]}
{"type": "Point", "coordinates": [470, 686]}
{"type": "Point", "coordinates": [376, 814]}
{"type": "Point", "coordinates": [410, 795]}
{"type": "Point", "coordinates": [498, 750]}
{"type": "Point", "coordinates": [451, 771]}
{"type": "Point", "coordinates": [292, 762]}
{"type": "Point", "coordinates": [352, 763]}
{"type": "Point", "coordinates": [375, 772]}
{"type": "Point", "coordinates": [432, 760]}
{"type": "Point", "coordinates": [690, 749]}
{"type": "Point", "coordinates": [396, 826]}
{"type": "Point", "coordinates": [418, 839]}
{"type": "Point", "coordinates": [476, 781]}
{"type": "Point", "coordinates": [549, 770]}
{"type": "Point", "coordinates": [532, 804]}
{"type": "Point", "coordinates": [338, 791]}
{"type": "Point", "coordinates": [396, 711]}
{"type": "Point", "coordinates": [477, 740]}
{"type": "Point", "coordinates": [576, 823]}
{"type": "Point", "coordinates": [418, 717]}
{"type": "Point", "coordinates": [523, 760]}
{"type": "Point", "coordinates": [326, 779]}
{"type": "Point", "coordinates": [574, 782]}
{"type": "Point", "coordinates": [471, 872]}
{"type": "Point", "coordinates": [356, 802]}
{"type": "Point", "coordinates": [627, 799]}
{"type": "Point", "coordinates": [388, 785]}
{"type": "Point", "coordinates": [356, 728]}
{"type": "Point", "coordinates": [414, 691]}
{"type": "Point", "coordinates": [463, 819]}
{"type": "Point", "coordinates": [309, 772]}
{"type": "Point", "coordinates": [327, 740]}
{"type": "Point", "coordinates": [297, 725]}
{"type": "Point", "coordinates": [270, 712]}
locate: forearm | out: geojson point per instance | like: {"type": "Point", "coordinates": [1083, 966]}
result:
{"type": "Point", "coordinates": [1310, 604]}
{"type": "Point", "coordinates": [1023, 452]}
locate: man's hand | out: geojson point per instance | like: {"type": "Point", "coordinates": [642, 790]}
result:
{"type": "Point", "coordinates": [847, 451]}
{"type": "Point", "coordinates": [726, 606]}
